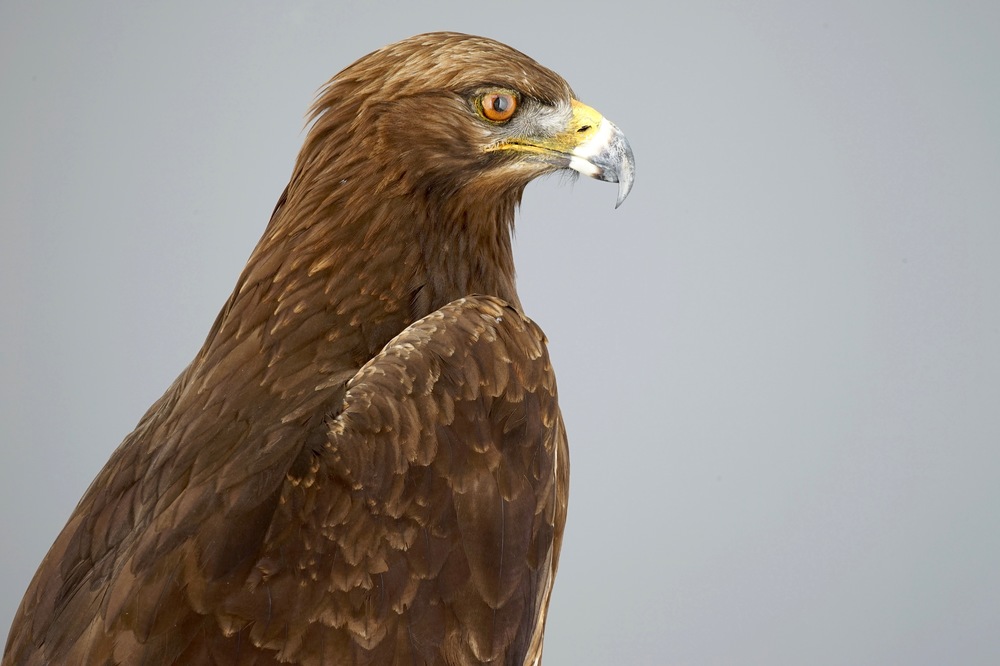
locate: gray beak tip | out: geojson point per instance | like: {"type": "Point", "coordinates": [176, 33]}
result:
{"type": "Point", "coordinates": [626, 174]}
{"type": "Point", "coordinates": [617, 163]}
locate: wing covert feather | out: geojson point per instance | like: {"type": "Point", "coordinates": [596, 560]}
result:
{"type": "Point", "coordinates": [441, 548]}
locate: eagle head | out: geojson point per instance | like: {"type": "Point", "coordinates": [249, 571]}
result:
{"type": "Point", "coordinates": [445, 114]}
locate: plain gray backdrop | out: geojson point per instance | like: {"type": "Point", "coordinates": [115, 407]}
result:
{"type": "Point", "coordinates": [778, 360]}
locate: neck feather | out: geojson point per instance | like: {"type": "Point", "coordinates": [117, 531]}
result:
{"type": "Point", "coordinates": [339, 271]}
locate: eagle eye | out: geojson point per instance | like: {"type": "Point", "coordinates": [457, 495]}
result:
{"type": "Point", "coordinates": [497, 106]}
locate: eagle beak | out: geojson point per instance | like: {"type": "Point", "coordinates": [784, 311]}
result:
{"type": "Point", "coordinates": [601, 150]}
{"type": "Point", "coordinates": [588, 143]}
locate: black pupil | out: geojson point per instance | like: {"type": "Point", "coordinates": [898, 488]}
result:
{"type": "Point", "coordinates": [501, 103]}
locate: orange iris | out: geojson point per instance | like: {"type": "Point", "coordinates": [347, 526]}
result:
{"type": "Point", "coordinates": [499, 106]}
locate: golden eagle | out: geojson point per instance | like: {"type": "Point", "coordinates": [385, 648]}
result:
{"type": "Point", "coordinates": [365, 463]}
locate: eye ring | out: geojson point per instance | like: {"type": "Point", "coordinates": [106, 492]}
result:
{"type": "Point", "coordinates": [497, 106]}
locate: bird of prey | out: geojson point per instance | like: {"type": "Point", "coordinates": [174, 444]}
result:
{"type": "Point", "coordinates": [365, 463]}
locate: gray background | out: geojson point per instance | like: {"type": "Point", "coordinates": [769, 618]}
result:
{"type": "Point", "coordinates": [778, 361]}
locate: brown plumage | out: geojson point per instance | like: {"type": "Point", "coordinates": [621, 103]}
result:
{"type": "Point", "coordinates": [365, 463]}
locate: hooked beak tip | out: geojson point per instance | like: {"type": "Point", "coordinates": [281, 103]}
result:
{"type": "Point", "coordinates": [626, 169]}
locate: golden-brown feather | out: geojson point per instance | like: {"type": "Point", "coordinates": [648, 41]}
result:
{"type": "Point", "coordinates": [365, 463]}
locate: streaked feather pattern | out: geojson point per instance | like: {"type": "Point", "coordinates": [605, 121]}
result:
{"type": "Point", "coordinates": [366, 462]}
